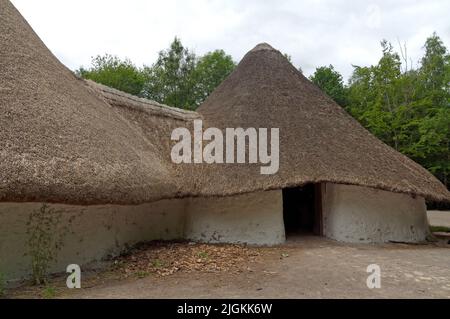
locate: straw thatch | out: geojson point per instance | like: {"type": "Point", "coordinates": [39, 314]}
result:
{"type": "Point", "coordinates": [60, 142]}
{"type": "Point", "coordinates": [67, 140]}
{"type": "Point", "coordinates": [156, 123]}
{"type": "Point", "coordinates": [319, 141]}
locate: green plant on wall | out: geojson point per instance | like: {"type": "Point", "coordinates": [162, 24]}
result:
{"type": "Point", "coordinates": [2, 284]}
{"type": "Point", "coordinates": [45, 239]}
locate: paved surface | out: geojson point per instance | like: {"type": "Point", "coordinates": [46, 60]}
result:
{"type": "Point", "coordinates": [306, 267]}
{"type": "Point", "coordinates": [439, 218]}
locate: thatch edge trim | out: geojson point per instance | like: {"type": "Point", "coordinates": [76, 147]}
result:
{"type": "Point", "coordinates": [183, 195]}
{"type": "Point", "coordinates": [118, 98]}
{"type": "Point", "coordinates": [413, 193]}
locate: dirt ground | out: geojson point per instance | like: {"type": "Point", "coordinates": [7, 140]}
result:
{"type": "Point", "coordinates": [304, 267]}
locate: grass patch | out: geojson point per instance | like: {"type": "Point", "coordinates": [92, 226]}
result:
{"type": "Point", "coordinates": [157, 263]}
{"type": "Point", "coordinates": [49, 292]}
{"type": "Point", "coordinates": [440, 229]}
{"type": "Point", "coordinates": [203, 255]}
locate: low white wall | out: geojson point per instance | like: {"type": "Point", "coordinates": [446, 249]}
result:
{"type": "Point", "coordinates": [255, 218]}
{"type": "Point", "coordinates": [94, 233]}
{"type": "Point", "coordinates": [360, 214]}
{"type": "Point", "coordinates": [350, 214]}
{"type": "Point", "coordinates": [439, 218]}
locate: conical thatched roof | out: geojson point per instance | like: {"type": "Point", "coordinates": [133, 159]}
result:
{"type": "Point", "coordinates": [319, 141]}
{"type": "Point", "coordinates": [60, 142]}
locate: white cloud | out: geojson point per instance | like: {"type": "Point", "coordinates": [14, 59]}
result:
{"type": "Point", "coordinates": [313, 32]}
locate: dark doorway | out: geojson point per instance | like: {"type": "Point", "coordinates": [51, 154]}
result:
{"type": "Point", "coordinates": [302, 210]}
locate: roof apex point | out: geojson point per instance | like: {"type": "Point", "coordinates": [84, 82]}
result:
{"type": "Point", "coordinates": [263, 46]}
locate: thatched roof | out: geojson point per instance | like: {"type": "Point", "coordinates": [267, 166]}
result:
{"type": "Point", "coordinates": [319, 141]}
{"type": "Point", "coordinates": [66, 140]}
{"type": "Point", "coordinates": [155, 122]}
{"type": "Point", "coordinates": [121, 99]}
{"type": "Point", "coordinates": [60, 142]}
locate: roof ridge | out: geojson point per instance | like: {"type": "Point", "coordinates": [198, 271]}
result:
{"type": "Point", "coordinates": [120, 98]}
{"type": "Point", "coordinates": [263, 46]}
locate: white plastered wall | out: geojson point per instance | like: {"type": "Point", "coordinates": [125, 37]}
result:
{"type": "Point", "coordinates": [255, 218]}
{"type": "Point", "coordinates": [350, 214]}
{"type": "Point", "coordinates": [96, 232]}
{"type": "Point", "coordinates": [366, 215]}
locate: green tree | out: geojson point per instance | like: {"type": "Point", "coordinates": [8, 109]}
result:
{"type": "Point", "coordinates": [331, 82]}
{"type": "Point", "coordinates": [433, 101]}
{"type": "Point", "coordinates": [432, 149]}
{"type": "Point", "coordinates": [111, 71]}
{"type": "Point", "coordinates": [170, 80]}
{"type": "Point", "coordinates": [210, 70]}
{"type": "Point", "coordinates": [178, 78]}
{"type": "Point", "coordinates": [360, 91]}
{"type": "Point", "coordinates": [434, 70]}
{"type": "Point", "coordinates": [407, 109]}
{"type": "Point", "coordinates": [374, 96]}
{"type": "Point", "coordinates": [288, 57]}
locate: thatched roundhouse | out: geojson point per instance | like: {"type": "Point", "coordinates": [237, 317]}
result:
{"type": "Point", "coordinates": [98, 160]}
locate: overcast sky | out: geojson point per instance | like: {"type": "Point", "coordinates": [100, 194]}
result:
{"type": "Point", "coordinates": [313, 32]}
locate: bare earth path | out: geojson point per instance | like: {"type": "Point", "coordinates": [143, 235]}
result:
{"type": "Point", "coordinates": [305, 267]}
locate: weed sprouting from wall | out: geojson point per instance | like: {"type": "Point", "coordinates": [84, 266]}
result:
{"type": "Point", "coordinates": [45, 239]}
{"type": "Point", "coordinates": [2, 284]}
